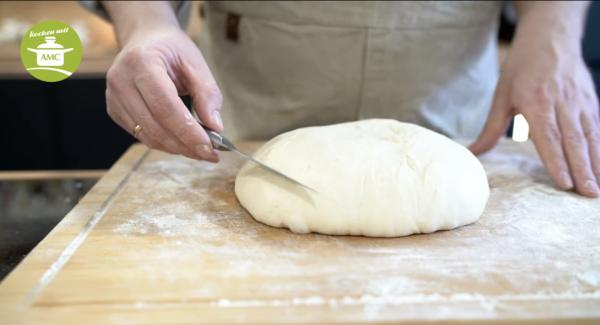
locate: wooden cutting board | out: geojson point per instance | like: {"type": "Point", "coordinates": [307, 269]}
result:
{"type": "Point", "coordinates": [162, 239]}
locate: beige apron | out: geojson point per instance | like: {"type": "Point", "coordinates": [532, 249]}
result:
{"type": "Point", "coordinates": [284, 65]}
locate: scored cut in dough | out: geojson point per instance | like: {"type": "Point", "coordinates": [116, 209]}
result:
{"type": "Point", "coordinates": [379, 178]}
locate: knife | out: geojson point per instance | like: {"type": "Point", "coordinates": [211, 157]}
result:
{"type": "Point", "coordinates": [221, 143]}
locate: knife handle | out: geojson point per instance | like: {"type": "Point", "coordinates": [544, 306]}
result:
{"type": "Point", "coordinates": [218, 141]}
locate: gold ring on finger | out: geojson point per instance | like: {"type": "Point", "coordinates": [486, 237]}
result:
{"type": "Point", "coordinates": [136, 130]}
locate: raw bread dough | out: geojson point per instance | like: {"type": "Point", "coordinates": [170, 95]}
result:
{"type": "Point", "coordinates": [380, 178]}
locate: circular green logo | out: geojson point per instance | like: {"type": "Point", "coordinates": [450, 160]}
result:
{"type": "Point", "coordinates": [51, 51]}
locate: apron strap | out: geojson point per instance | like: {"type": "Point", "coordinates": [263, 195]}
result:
{"type": "Point", "coordinates": [232, 27]}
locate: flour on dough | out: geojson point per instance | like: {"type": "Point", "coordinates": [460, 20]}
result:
{"type": "Point", "coordinates": [380, 178]}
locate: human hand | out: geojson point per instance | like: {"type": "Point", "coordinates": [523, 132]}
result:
{"type": "Point", "coordinates": [546, 80]}
{"type": "Point", "coordinates": [155, 66]}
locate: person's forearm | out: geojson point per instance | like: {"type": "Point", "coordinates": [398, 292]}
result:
{"type": "Point", "coordinates": [130, 17]}
{"type": "Point", "coordinates": [560, 20]}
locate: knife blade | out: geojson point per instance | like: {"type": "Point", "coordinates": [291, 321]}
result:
{"type": "Point", "coordinates": [221, 143]}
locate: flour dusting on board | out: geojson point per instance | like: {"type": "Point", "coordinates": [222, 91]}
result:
{"type": "Point", "coordinates": [533, 243]}
{"type": "Point", "coordinates": [163, 225]}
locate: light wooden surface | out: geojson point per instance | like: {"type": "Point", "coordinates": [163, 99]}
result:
{"type": "Point", "coordinates": [162, 239]}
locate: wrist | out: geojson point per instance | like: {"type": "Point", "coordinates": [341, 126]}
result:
{"type": "Point", "coordinates": [133, 18]}
{"type": "Point", "coordinates": [560, 23]}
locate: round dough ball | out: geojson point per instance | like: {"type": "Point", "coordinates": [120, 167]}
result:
{"type": "Point", "coordinates": [379, 178]}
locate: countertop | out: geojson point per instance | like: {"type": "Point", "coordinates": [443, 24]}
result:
{"type": "Point", "coordinates": [162, 239]}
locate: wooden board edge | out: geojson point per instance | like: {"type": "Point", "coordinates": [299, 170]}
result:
{"type": "Point", "coordinates": [29, 272]}
{"type": "Point", "coordinates": [34, 175]}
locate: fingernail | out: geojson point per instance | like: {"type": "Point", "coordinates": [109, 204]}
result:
{"type": "Point", "coordinates": [566, 180]}
{"type": "Point", "coordinates": [203, 150]}
{"type": "Point", "coordinates": [591, 186]}
{"type": "Point", "coordinates": [216, 119]}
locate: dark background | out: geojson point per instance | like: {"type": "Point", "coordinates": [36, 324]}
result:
{"type": "Point", "coordinates": [60, 125]}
